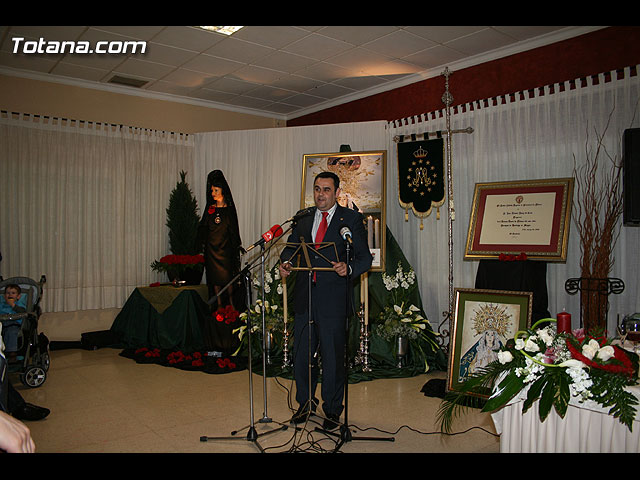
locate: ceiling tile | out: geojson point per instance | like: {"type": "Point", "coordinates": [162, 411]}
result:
{"type": "Point", "coordinates": [317, 46]}
{"type": "Point", "coordinates": [357, 35]}
{"type": "Point", "coordinates": [239, 50]}
{"type": "Point", "coordinates": [480, 42]}
{"type": "Point", "coordinates": [284, 61]}
{"type": "Point", "coordinates": [189, 38]}
{"type": "Point", "coordinates": [399, 44]}
{"type": "Point", "coordinates": [271, 36]}
{"type": "Point", "coordinates": [212, 65]}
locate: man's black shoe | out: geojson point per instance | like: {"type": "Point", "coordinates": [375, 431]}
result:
{"type": "Point", "coordinates": [302, 414]}
{"type": "Point", "coordinates": [331, 422]}
{"type": "Point", "coordinates": [29, 411]}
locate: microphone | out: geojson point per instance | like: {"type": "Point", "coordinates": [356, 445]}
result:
{"type": "Point", "coordinates": [346, 234]}
{"type": "Point", "coordinates": [302, 213]}
{"type": "Point", "coordinates": [273, 232]}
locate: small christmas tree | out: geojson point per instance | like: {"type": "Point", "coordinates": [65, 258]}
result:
{"type": "Point", "coordinates": [182, 219]}
{"type": "Point", "coordinates": [185, 262]}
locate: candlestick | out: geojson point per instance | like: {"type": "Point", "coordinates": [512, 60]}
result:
{"type": "Point", "coordinates": [564, 322]}
{"type": "Point", "coordinates": [370, 231]}
{"type": "Point", "coordinates": [376, 237]}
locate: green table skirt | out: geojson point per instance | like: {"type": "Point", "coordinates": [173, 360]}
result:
{"type": "Point", "coordinates": [174, 319]}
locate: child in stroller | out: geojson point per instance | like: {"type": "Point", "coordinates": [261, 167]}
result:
{"type": "Point", "coordinates": [27, 352]}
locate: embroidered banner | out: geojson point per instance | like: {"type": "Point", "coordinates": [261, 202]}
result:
{"type": "Point", "coordinates": [421, 175]}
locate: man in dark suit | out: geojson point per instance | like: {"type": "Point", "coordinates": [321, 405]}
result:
{"type": "Point", "coordinates": [324, 328]}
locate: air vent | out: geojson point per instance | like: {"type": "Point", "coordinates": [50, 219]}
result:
{"type": "Point", "coordinates": [129, 82]}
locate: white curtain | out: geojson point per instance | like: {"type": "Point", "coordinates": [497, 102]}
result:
{"type": "Point", "coordinates": [530, 135]}
{"type": "Point", "coordinates": [84, 204]}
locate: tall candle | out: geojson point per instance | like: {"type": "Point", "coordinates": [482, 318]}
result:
{"type": "Point", "coordinates": [376, 230]}
{"type": "Point", "coordinates": [564, 322]}
{"type": "Point", "coordinates": [370, 231]}
{"type": "Point", "coordinates": [284, 299]}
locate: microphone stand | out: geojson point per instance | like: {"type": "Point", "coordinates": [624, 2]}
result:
{"type": "Point", "coordinates": [345, 434]}
{"type": "Point", "coordinates": [252, 434]}
{"type": "Point", "coordinates": [265, 417]}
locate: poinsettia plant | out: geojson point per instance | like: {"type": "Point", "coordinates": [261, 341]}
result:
{"type": "Point", "coordinates": [553, 368]}
{"type": "Point", "coordinates": [178, 263]}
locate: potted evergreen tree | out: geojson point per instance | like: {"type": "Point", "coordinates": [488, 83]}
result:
{"type": "Point", "coordinates": [186, 263]}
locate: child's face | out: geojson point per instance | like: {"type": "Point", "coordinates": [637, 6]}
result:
{"type": "Point", "coordinates": [11, 293]}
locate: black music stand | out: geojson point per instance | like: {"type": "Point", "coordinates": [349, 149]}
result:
{"type": "Point", "coordinates": [307, 267]}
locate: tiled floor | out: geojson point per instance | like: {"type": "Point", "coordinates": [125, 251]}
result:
{"type": "Point", "coordinates": [102, 402]}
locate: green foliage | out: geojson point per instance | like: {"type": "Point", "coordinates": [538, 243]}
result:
{"type": "Point", "coordinates": [611, 392]}
{"type": "Point", "coordinates": [182, 219]}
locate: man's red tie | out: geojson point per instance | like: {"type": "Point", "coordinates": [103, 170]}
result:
{"type": "Point", "coordinates": [322, 229]}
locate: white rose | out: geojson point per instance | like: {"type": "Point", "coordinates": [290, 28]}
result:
{"type": "Point", "coordinates": [531, 346]}
{"type": "Point", "coordinates": [546, 336]}
{"type": "Point", "coordinates": [590, 349]}
{"type": "Point", "coordinates": [605, 353]}
{"type": "Point", "coordinates": [504, 356]}
{"type": "Point", "coordinates": [519, 344]}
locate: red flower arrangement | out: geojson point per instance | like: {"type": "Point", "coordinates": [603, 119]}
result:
{"type": "Point", "coordinates": [148, 353]}
{"type": "Point", "coordinates": [227, 314]}
{"type": "Point", "coordinates": [182, 259]}
{"type": "Point", "coordinates": [225, 362]}
{"type": "Point", "coordinates": [177, 262]}
{"type": "Point", "coordinates": [504, 257]}
{"type": "Point", "coordinates": [619, 363]}
{"type": "Point", "coordinates": [212, 209]}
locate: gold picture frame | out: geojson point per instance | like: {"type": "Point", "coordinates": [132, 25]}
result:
{"type": "Point", "coordinates": [484, 320]}
{"type": "Point", "coordinates": [363, 188]}
{"type": "Point", "coordinates": [526, 216]}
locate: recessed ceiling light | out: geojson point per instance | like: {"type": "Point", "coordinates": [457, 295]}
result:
{"type": "Point", "coordinates": [224, 30]}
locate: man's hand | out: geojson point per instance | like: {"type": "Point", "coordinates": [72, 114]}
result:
{"type": "Point", "coordinates": [285, 269]}
{"type": "Point", "coordinates": [15, 437]}
{"type": "Point", "coordinates": [340, 268]}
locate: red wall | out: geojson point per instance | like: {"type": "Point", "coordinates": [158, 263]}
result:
{"type": "Point", "coordinates": [604, 50]}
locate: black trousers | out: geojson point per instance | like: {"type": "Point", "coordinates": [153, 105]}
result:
{"type": "Point", "coordinates": [327, 344]}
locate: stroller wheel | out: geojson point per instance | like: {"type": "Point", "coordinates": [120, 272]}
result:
{"type": "Point", "coordinates": [34, 376]}
{"type": "Point", "coordinates": [45, 361]}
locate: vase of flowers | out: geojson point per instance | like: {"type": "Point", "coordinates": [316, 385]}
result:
{"type": "Point", "coordinates": [273, 308]}
{"type": "Point", "coordinates": [402, 348]}
{"type": "Point", "coordinates": [401, 323]}
{"type": "Point", "coordinates": [554, 368]}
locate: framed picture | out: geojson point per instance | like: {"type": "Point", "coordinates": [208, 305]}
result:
{"type": "Point", "coordinates": [362, 186]}
{"type": "Point", "coordinates": [483, 322]}
{"type": "Point", "coordinates": [530, 217]}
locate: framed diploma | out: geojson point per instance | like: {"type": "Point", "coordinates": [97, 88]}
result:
{"type": "Point", "coordinates": [530, 217]}
{"type": "Point", "coordinates": [362, 188]}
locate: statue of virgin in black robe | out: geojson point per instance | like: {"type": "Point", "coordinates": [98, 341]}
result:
{"type": "Point", "coordinates": [219, 233]}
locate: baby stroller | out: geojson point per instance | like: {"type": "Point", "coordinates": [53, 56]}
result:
{"type": "Point", "coordinates": [33, 358]}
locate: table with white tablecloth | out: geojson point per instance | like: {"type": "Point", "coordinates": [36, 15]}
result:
{"type": "Point", "coordinates": [585, 428]}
